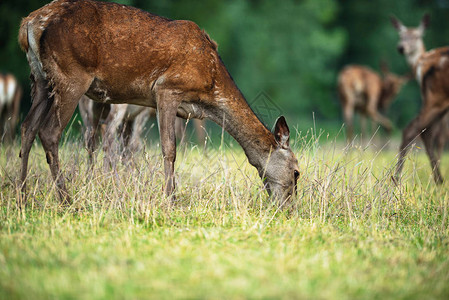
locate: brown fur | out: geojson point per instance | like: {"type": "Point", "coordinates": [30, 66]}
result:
{"type": "Point", "coordinates": [431, 70]}
{"type": "Point", "coordinates": [119, 54]}
{"type": "Point", "coordinates": [364, 91]}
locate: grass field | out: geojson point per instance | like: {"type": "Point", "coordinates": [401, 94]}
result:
{"type": "Point", "coordinates": [351, 233]}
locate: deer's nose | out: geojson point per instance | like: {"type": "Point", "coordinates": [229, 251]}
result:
{"type": "Point", "coordinates": [401, 49]}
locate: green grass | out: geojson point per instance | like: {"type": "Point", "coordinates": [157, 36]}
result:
{"type": "Point", "coordinates": [351, 234]}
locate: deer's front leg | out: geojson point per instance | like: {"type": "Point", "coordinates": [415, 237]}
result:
{"type": "Point", "coordinates": [348, 115]}
{"type": "Point", "coordinates": [374, 114]}
{"type": "Point", "coordinates": [166, 116]}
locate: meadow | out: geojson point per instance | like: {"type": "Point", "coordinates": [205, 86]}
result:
{"type": "Point", "coordinates": [349, 234]}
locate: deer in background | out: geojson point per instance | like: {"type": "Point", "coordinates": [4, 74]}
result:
{"type": "Point", "coordinates": [431, 70]}
{"type": "Point", "coordinates": [440, 135]}
{"type": "Point", "coordinates": [119, 54]}
{"type": "Point", "coordinates": [10, 96]}
{"type": "Point", "coordinates": [120, 125]}
{"type": "Point", "coordinates": [364, 91]}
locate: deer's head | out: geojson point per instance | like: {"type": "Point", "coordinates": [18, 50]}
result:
{"type": "Point", "coordinates": [411, 39]}
{"type": "Point", "coordinates": [281, 172]}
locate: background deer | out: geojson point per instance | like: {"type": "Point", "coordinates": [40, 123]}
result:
{"type": "Point", "coordinates": [10, 96]}
{"type": "Point", "coordinates": [121, 127]}
{"type": "Point", "coordinates": [364, 91]}
{"type": "Point", "coordinates": [431, 70]}
{"type": "Point", "coordinates": [131, 56]}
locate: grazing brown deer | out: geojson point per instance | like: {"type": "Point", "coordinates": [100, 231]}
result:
{"type": "Point", "coordinates": [431, 70]}
{"type": "Point", "coordinates": [364, 91]}
{"type": "Point", "coordinates": [119, 54]}
{"type": "Point", "coordinates": [10, 96]}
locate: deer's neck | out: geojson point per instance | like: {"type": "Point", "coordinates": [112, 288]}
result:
{"type": "Point", "coordinates": [230, 110]}
{"type": "Point", "coordinates": [413, 58]}
{"type": "Point", "coordinates": [413, 62]}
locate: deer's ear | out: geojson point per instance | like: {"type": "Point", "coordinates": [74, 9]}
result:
{"type": "Point", "coordinates": [397, 24]}
{"type": "Point", "coordinates": [425, 21]}
{"type": "Point", "coordinates": [281, 132]}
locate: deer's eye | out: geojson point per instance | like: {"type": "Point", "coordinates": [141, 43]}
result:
{"type": "Point", "coordinates": [296, 173]}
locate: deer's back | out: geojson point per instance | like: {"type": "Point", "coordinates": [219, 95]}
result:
{"type": "Point", "coordinates": [126, 49]}
{"type": "Point", "coordinates": [432, 71]}
{"type": "Point", "coordinates": [358, 82]}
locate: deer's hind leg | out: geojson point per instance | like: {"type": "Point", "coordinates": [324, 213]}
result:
{"type": "Point", "coordinates": [65, 101]}
{"type": "Point", "coordinates": [428, 116]}
{"type": "Point", "coordinates": [39, 109]}
{"type": "Point", "coordinates": [440, 136]}
{"type": "Point", "coordinates": [348, 115]}
{"type": "Point", "coordinates": [434, 157]}
{"type": "Point", "coordinates": [374, 114]}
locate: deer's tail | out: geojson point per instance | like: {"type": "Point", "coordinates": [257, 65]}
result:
{"type": "Point", "coordinates": [23, 35]}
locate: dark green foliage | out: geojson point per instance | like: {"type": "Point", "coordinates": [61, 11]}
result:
{"type": "Point", "coordinates": [290, 50]}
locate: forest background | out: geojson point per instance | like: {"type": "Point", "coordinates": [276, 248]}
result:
{"type": "Point", "coordinates": [284, 55]}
